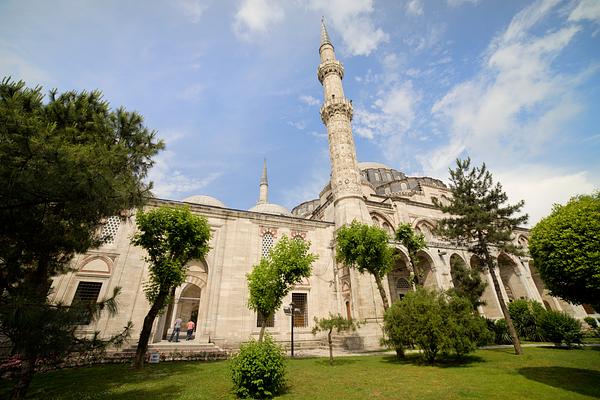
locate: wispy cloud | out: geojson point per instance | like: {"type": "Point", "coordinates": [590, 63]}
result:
{"type": "Point", "coordinates": [309, 100]}
{"type": "Point", "coordinates": [255, 17]}
{"type": "Point", "coordinates": [19, 68]}
{"type": "Point", "coordinates": [457, 3]}
{"type": "Point", "coordinates": [517, 101]}
{"type": "Point", "coordinates": [353, 20]}
{"type": "Point", "coordinates": [194, 9]}
{"type": "Point", "coordinates": [171, 182]}
{"type": "Point", "coordinates": [586, 9]}
{"type": "Point", "coordinates": [414, 7]}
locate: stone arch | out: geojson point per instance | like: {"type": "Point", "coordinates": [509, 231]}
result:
{"type": "Point", "coordinates": [491, 307]}
{"type": "Point", "coordinates": [425, 226]}
{"type": "Point", "coordinates": [425, 273]}
{"type": "Point", "coordinates": [541, 288]}
{"type": "Point", "coordinates": [398, 277]}
{"type": "Point", "coordinates": [511, 278]}
{"type": "Point", "coordinates": [382, 222]}
{"type": "Point", "coordinates": [523, 241]}
{"type": "Point", "coordinates": [96, 264]}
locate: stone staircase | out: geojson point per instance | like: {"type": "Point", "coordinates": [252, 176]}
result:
{"type": "Point", "coordinates": [176, 351]}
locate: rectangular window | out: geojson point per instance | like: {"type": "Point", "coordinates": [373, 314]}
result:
{"type": "Point", "coordinates": [301, 316]}
{"type": "Point", "coordinates": [260, 318]}
{"type": "Point", "coordinates": [86, 294]}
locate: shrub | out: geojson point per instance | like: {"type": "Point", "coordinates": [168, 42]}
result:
{"type": "Point", "coordinates": [594, 330]}
{"type": "Point", "coordinates": [526, 316]}
{"type": "Point", "coordinates": [258, 370]}
{"type": "Point", "coordinates": [501, 333]}
{"type": "Point", "coordinates": [436, 323]}
{"type": "Point", "coordinates": [559, 327]}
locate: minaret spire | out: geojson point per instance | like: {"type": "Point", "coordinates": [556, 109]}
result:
{"type": "Point", "coordinates": [264, 185]}
{"type": "Point", "coordinates": [324, 34]}
{"type": "Point", "coordinates": [336, 114]}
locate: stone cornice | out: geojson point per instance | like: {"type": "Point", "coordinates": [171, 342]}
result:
{"type": "Point", "coordinates": [330, 67]}
{"type": "Point", "coordinates": [230, 213]}
{"type": "Point", "coordinates": [335, 106]}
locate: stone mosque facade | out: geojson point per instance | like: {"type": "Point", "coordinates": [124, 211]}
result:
{"type": "Point", "coordinates": [215, 292]}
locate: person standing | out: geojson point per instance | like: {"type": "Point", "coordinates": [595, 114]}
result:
{"type": "Point", "coordinates": [190, 329]}
{"type": "Point", "coordinates": [176, 330]}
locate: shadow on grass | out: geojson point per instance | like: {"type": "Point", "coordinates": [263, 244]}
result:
{"type": "Point", "coordinates": [582, 381]}
{"type": "Point", "coordinates": [441, 362]}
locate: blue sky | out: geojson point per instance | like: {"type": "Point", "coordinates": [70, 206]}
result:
{"type": "Point", "coordinates": [513, 83]}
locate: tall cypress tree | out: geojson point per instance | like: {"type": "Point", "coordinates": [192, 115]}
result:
{"type": "Point", "coordinates": [482, 220]}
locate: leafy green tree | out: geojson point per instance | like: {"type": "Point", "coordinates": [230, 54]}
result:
{"type": "Point", "coordinates": [66, 163]}
{"type": "Point", "coordinates": [273, 277]}
{"type": "Point", "coordinates": [564, 247]}
{"type": "Point", "coordinates": [414, 242]}
{"type": "Point", "coordinates": [172, 237]}
{"type": "Point", "coordinates": [481, 219]}
{"type": "Point", "coordinates": [367, 248]}
{"type": "Point", "coordinates": [467, 283]}
{"type": "Point", "coordinates": [336, 322]}
{"type": "Point", "coordinates": [466, 329]}
{"type": "Point", "coordinates": [526, 316]}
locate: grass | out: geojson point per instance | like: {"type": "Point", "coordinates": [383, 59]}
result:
{"type": "Point", "coordinates": [542, 373]}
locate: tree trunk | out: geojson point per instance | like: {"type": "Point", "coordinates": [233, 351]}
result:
{"type": "Point", "coordinates": [384, 298]}
{"type": "Point", "coordinates": [412, 271]}
{"type": "Point", "coordinates": [142, 347]}
{"type": "Point", "coordinates": [330, 348]}
{"type": "Point", "coordinates": [24, 379]}
{"type": "Point", "coordinates": [263, 327]}
{"type": "Point", "coordinates": [509, 323]}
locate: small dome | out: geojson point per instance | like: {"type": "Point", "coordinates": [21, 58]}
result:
{"type": "Point", "coordinates": [269, 208]}
{"type": "Point", "coordinates": [204, 200]}
{"type": "Point", "coordinates": [375, 165]}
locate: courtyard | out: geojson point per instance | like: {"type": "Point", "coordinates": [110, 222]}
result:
{"type": "Point", "coordinates": [542, 373]}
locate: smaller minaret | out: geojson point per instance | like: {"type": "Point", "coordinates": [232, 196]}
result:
{"type": "Point", "coordinates": [264, 185]}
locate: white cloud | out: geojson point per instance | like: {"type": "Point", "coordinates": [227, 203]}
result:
{"type": "Point", "coordinates": [353, 20]}
{"type": "Point", "coordinates": [542, 186]}
{"type": "Point", "coordinates": [518, 101]}
{"type": "Point", "coordinates": [392, 113]}
{"type": "Point", "coordinates": [309, 100]}
{"type": "Point", "coordinates": [193, 9]}
{"type": "Point", "coordinates": [170, 182]}
{"type": "Point", "coordinates": [414, 7]}
{"type": "Point", "coordinates": [255, 17]}
{"type": "Point", "coordinates": [586, 9]}
{"type": "Point", "coordinates": [457, 3]}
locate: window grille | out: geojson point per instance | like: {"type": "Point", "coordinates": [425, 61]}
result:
{"type": "Point", "coordinates": [402, 287]}
{"type": "Point", "coordinates": [301, 303]}
{"type": "Point", "coordinates": [260, 318]}
{"type": "Point", "coordinates": [86, 294]}
{"type": "Point", "coordinates": [267, 244]}
{"type": "Point", "coordinates": [110, 230]}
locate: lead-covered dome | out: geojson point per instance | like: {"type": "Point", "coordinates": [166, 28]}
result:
{"type": "Point", "coordinates": [204, 200]}
{"type": "Point", "coordinates": [270, 208]}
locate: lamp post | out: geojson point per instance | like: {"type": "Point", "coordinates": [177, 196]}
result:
{"type": "Point", "coordinates": [290, 310]}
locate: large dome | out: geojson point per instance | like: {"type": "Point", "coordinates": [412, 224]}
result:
{"type": "Point", "coordinates": [270, 208]}
{"type": "Point", "coordinates": [204, 200]}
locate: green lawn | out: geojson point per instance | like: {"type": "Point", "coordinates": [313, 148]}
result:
{"type": "Point", "coordinates": [542, 373]}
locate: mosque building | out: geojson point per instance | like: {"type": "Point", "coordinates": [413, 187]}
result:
{"type": "Point", "coordinates": [215, 292]}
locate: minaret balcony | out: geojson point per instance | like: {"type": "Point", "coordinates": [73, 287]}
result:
{"type": "Point", "coordinates": [334, 106]}
{"type": "Point", "coordinates": [330, 67]}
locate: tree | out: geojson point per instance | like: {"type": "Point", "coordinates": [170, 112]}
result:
{"type": "Point", "coordinates": [481, 219]}
{"type": "Point", "coordinates": [66, 164]}
{"type": "Point", "coordinates": [273, 277]}
{"type": "Point", "coordinates": [172, 237]}
{"type": "Point", "coordinates": [467, 283]}
{"type": "Point", "coordinates": [564, 247]}
{"type": "Point", "coordinates": [336, 322]}
{"type": "Point", "coordinates": [414, 243]}
{"type": "Point", "coordinates": [366, 247]}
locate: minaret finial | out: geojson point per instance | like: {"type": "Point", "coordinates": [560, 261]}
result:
{"type": "Point", "coordinates": [324, 34]}
{"type": "Point", "coordinates": [264, 185]}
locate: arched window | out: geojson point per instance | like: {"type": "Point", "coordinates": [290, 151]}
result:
{"type": "Point", "coordinates": [402, 287]}
{"type": "Point", "coordinates": [267, 243]}
{"type": "Point", "coordinates": [375, 221]}
{"type": "Point", "coordinates": [388, 228]}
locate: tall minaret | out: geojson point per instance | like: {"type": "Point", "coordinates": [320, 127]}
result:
{"type": "Point", "coordinates": [264, 185]}
{"type": "Point", "coordinates": [336, 114]}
